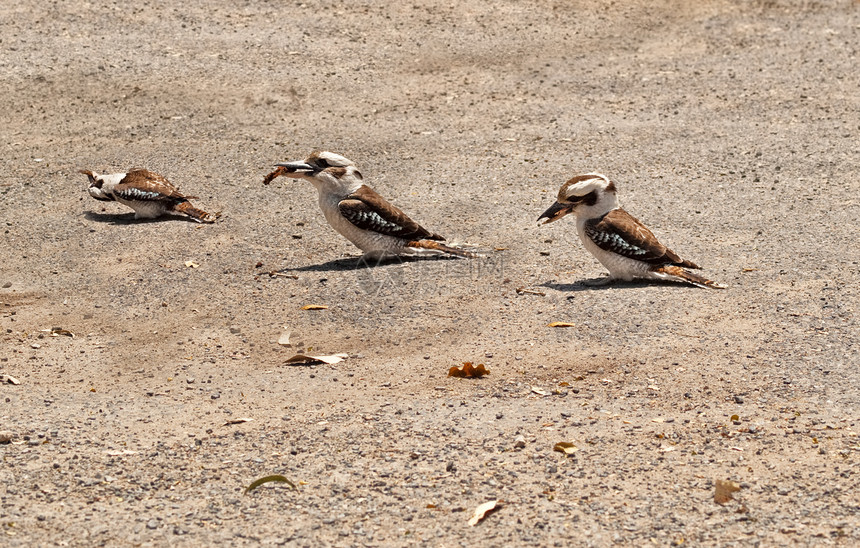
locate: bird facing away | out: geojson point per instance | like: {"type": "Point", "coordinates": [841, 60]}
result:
{"type": "Point", "coordinates": [357, 212]}
{"type": "Point", "coordinates": [617, 239]}
{"type": "Point", "coordinates": [149, 194]}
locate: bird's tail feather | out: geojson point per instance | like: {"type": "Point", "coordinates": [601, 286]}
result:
{"type": "Point", "coordinates": [194, 213]}
{"type": "Point", "coordinates": [678, 273]}
{"type": "Point", "coordinates": [436, 246]}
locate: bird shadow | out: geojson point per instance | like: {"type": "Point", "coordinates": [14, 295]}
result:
{"type": "Point", "coordinates": [594, 284]}
{"type": "Point", "coordinates": [128, 218]}
{"type": "Point", "coordinates": [363, 262]}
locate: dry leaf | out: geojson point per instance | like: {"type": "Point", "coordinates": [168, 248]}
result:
{"type": "Point", "coordinates": [305, 359]}
{"type": "Point", "coordinates": [237, 421]}
{"type": "Point", "coordinates": [565, 447]}
{"type": "Point", "coordinates": [559, 324]}
{"type": "Point", "coordinates": [9, 379]}
{"type": "Point", "coordinates": [482, 510]}
{"type": "Point", "coordinates": [277, 477]}
{"type": "Point", "coordinates": [124, 453]}
{"type": "Point", "coordinates": [57, 331]}
{"type": "Point", "coordinates": [314, 307]}
{"type": "Point", "coordinates": [541, 391]}
{"type": "Point", "coordinates": [284, 339]}
{"type": "Point", "coordinates": [468, 370]}
{"type": "Point", "coordinates": [723, 490]}
{"type": "Point", "coordinates": [191, 264]}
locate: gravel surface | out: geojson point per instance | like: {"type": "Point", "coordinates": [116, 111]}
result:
{"type": "Point", "coordinates": [730, 128]}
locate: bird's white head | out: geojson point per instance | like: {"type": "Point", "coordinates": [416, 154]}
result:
{"type": "Point", "coordinates": [101, 186]}
{"type": "Point", "coordinates": [589, 195]}
{"type": "Point", "coordinates": [327, 171]}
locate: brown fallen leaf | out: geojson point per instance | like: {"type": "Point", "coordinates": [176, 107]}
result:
{"type": "Point", "coordinates": [723, 490]}
{"type": "Point", "coordinates": [565, 447]}
{"type": "Point", "coordinates": [314, 307]}
{"type": "Point", "coordinates": [468, 371]}
{"type": "Point", "coordinates": [482, 511]}
{"type": "Point", "coordinates": [559, 324]}
{"type": "Point", "coordinates": [305, 359]}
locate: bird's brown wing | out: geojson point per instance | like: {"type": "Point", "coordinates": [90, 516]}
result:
{"type": "Point", "coordinates": [621, 233]}
{"type": "Point", "coordinates": [369, 211]}
{"type": "Point", "coordinates": [141, 184]}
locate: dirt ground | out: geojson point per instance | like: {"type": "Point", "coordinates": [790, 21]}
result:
{"type": "Point", "coordinates": [730, 128]}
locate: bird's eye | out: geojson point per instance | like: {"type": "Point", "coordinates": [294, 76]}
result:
{"type": "Point", "coordinates": [322, 162]}
{"type": "Point", "coordinates": [98, 183]}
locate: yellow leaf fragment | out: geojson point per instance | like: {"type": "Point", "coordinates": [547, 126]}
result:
{"type": "Point", "coordinates": [565, 447]}
{"type": "Point", "coordinates": [723, 490]}
{"type": "Point", "coordinates": [482, 510]}
{"type": "Point", "coordinates": [559, 324]}
{"type": "Point", "coordinates": [734, 418]}
{"type": "Point", "coordinates": [191, 264]}
{"type": "Point", "coordinates": [315, 307]}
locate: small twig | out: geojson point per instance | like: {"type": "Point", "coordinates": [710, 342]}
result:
{"type": "Point", "coordinates": [521, 290]}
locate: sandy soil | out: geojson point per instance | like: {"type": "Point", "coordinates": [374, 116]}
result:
{"type": "Point", "coordinates": [731, 129]}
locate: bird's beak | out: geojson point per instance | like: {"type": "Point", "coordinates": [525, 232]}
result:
{"type": "Point", "coordinates": [555, 212]}
{"type": "Point", "coordinates": [296, 170]}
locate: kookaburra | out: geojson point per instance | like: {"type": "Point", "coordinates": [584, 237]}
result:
{"type": "Point", "coordinates": [357, 212]}
{"type": "Point", "coordinates": [149, 194]}
{"type": "Point", "coordinates": [617, 239]}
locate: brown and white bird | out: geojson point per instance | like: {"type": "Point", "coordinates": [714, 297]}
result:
{"type": "Point", "coordinates": [149, 194]}
{"type": "Point", "coordinates": [357, 212]}
{"type": "Point", "coordinates": [617, 239]}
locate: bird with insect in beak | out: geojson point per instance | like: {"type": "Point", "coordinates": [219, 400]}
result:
{"type": "Point", "coordinates": [617, 239]}
{"type": "Point", "coordinates": [149, 194]}
{"type": "Point", "coordinates": [358, 213]}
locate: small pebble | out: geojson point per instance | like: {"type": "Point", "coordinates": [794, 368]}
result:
{"type": "Point", "coordinates": [519, 442]}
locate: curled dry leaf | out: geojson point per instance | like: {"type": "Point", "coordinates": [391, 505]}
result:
{"type": "Point", "coordinates": [191, 264]}
{"type": "Point", "coordinates": [541, 391]}
{"type": "Point", "coordinates": [284, 339]}
{"type": "Point", "coordinates": [314, 307]}
{"type": "Point", "coordinates": [469, 370]}
{"type": "Point", "coordinates": [565, 447]}
{"type": "Point", "coordinates": [723, 490]}
{"type": "Point", "coordinates": [302, 359]}
{"type": "Point", "coordinates": [559, 324]}
{"type": "Point", "coordinates": [276, 477]}
{"type": "Point", "coordinates": [482, 511]}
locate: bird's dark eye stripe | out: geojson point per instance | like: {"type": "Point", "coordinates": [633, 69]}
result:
{"type": "Point", "coordinates": [321, 162]}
